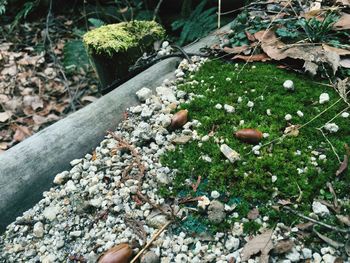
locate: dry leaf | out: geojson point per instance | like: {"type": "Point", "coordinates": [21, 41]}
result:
{"type": "Point", "coordinates": [345, 62]}
{"type": "Point", "coordinates": [283, 246]}
{"type": "Point", "coordinates": [329, 241]}
{"type": "Point", "coordinates": [339, 51]}
{"type": "Point", "coordinates": [310, 67]}
{"type": "Point", "coordinates": [21, 133]}
{"type": "Point", "coordinates": [4, 116]}
{"type": "Point", "coordinates": [284, 202]}
{"type": "Point", "coordinates": [88, 99]}
{"type": "Point", "coordinates": [3, 146]}
{"type": "Point", "coordinates": [344, 219]}
{"type": "Point", "coordinates": [305, 226]}
{"type": "Point", "coordinates": [292, 130]}
{"type": "Point", "coordinates": [343, 166]}
{"type": "Point", "coordinates": [235, 50]}
{"type": "Point", "coordinates": [343, 23]}
{"type": "Point", "coordinates": [253, 214]}
{"type": "Point", "coordinates": [261, 243]}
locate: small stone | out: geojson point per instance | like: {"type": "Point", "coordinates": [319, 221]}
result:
{"type": "Point", "coordinates": [268, 112]}
{"type": "Point", "coordinates": [182, 139]}
{"type": "Point", "coordinates": [322, 157]}
{"type": "Point", "coordinates": [146, 113]}
{"type": "Point", "coordinates": [50, 212]}
{"type": "Point", "coordinates": [345, 114]}
{"type": "Point", "coordinates": [229, 108]}
{"type": "Point", "coordinates": [328, 258]}
{"type": "Point", "coordinates": [307, 253]}
{"type": "Point", "coordinates": [164, 120]}
{"type": "Point", "coordinates": [156, 220]}
{"type": "Point", "coordinates": [150, 257]}
{"type": "Point", "coordinates": [288, 117]}
{"type": "Point", "coordinates": [317, 258]}
{"type": "Point", "coordinates": [331, 127]}
{"type": "Point", "coordinates": [300, 113]}
{"type": "Point", "coordinates": [75, 233]}
{"type": "Point", "coordinates": [215, 194]}
{"type": "Point", "coordinates": [165, 44]}
{"type": "Point", "coordinates": [232, 244]}
{"type": "Point", "coordinates": [324, 97]}
{"type": "Point", "coordinates": [250, 104]}
{"type": "Point", "coordinates": [205, 138]}
{"type": "Point", "coordinates": [216, 212]}
{"type": "Point", "coordinates": [144, 94]}
{"type": "Point", "coordinates": [293, 256]}
{"type": "Point", "coordinates": [218, 106]}
{"type": "Point", "coordinates": [273, 178]}
{"type": "Point", "coordinates": [319, 209]}
{"type": "Point", "coordinates": [288, 85]}
{"type": "Point", "coordinates": [166, 94]}
{"type": "Point", "coordinates": [203, 202]}
{"type": "Point", "coordinates": [60, 178]}
{"type": "Point", "coordinates": [228, 79]}
{"type": "Point", "coordinates": [163, 179]}
{"type": "Point", "coordinates": [38, 229]}
{"type": "Point", "coordinates": [75, 162]}
{"type": "Point", "coordinates": [230, 154]}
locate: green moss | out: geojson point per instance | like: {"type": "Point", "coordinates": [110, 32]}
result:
{"type": "Point", "coordinates": [249, 180]}
{"type": "Point", "coordinates": [251, 227]}
{"type": "Point", "coordinates": [113, 38]}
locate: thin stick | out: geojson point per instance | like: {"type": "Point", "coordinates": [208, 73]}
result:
{"type": "Point", "coordinates": [156, 10]}
{"type": "Point", "coordinates": [329, 142]}
{"type": "Point", "coordinates": [317, 222]}
{"type": "Point", "coordinates": [219, 14]}
{"type": "Point", "coordinates": [156, 235]}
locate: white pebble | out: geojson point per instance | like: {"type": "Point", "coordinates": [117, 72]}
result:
{"type": "Point", "coordinates": [229, 108]}
{"type": "Point", "coordinates": [215, 194]}
{"type": "Point", "coordinates": [324, 97]}
{"type": "Point", "coordinates": [274, 178]}
{"type": "Point", "coordinates": [331, 127]}
{"type": "Point", "coordinates": [268, 112]}
{"type": "Point", "coordinates": [250, 104]}
{"type": "Point", "coordinates": [218, 106]}
{"type": "Point", "coordinates": [288, 85]}
{"type": "Point", "coordinates": [288, 117]}
{"type": "Point", "coordinates": [300, 113]}
{"type": "Point", "coordinates": [345, 114]}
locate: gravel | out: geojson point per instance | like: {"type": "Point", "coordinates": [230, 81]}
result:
{"type": "Point", "coordinates": [103, 201]}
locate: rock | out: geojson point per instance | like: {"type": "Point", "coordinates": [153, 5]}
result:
{"type": "Point", "coordinates": [300, 113]}
{"type": "Point", "coordinates": [150, 257]}
{"type": "Point", "coordinates": [293, 256]}
{"type": "Point", "coordinates": [204, 202]}
{"type": "Point", "coordinates": [307, 253]}
{"type": "Point", "coordinates": [232, 244]}
{"type": "Point", "coordinates": [163, 120]}
{"type": "Point", "coordinates": [230, 154]}
{"type": "Point", "coordinates": [331, 127]}
{"type": "Point", "coordinates": [229, 108]}
{"type": "Point", "coordinates": [324, 97]}
{"type": "Point", "coordinates": [144, 94]}
{"type": "Point", "coordinates": [317, 258]}
{"type": "Point", "coordinates": [250, 104]}
{"type": "Point", "coordinates": [218, 106]}
{"type": "Point", "coordinates": [70, 186]}
{"type": "Point", "coordinates": [50, 212]}
{"type": "Point", "coordinates": [182, 139]}
{"type": "Point", "coordinates": [156, 220]}
{"type": "Point", "coordinates": [143, 131]}
{"type": "Point", "coordinates": [75, 233]}
{"type": "Point", "coordinates": [288, 85]}
{"type": "Point", "coordinates": [319, 209]}
{"type": "Point", "coordinates": [60, 178]}
{"type": "Point", "coordinates": [49, 259]}
{"type": "Point", "coordinates": [75, 162]}
{"type": "Point", "coordinates": [216, 212]}
{"type": "Point", "coordinates": [288, 117]}
{"type": "Point", "coordinates": [328, 258]}
{"type": "Point", "coordinates": [163, 179]}
{"type": "Point", "coordinates": [146, 113]}
{"type": "Point", "coordinates": [273, 178]}
{"type": "Point", "coordinates": [215, 194]}
{"type": "Point", "coordinates": [165, 44]}
{"type": "Point", "coordinates": [38, 229]}
{"type": "Point", "coordinates": [166, 94]}
{"type": "Point", "coordinates": [345, 114]}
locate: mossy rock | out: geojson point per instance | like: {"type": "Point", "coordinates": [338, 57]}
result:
{"type": "Point", "coordinates": [114, 48]}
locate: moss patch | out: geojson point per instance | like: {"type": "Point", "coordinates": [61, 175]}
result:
{"type": "Point", "coordinates": [113, 38]}
{"type": "Point", "coordinates": [296, 162]}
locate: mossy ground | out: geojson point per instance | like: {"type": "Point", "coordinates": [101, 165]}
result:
{"type": "Point", "coordinates": [248, 182]}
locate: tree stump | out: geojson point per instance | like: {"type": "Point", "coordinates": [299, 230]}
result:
{"type": "Point", "coordinates": [114, 48]}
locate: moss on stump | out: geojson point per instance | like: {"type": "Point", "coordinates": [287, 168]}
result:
{"type": "Point", "coordinates": [114, 48]}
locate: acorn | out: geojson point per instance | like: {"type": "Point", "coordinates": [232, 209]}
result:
{"type": "Point", "coordinates": [179, 119]}
{"type": "Point", "coordinates": [118, 254]}
{"type": "Point", "coordinates": [251, 136]}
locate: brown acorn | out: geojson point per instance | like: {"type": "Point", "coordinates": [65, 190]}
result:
{"type": "Point", "coordinates": [179, 119]}
{"type": "Point", "coordinates": [118, 254]}
{"type": "Point", "coordinates": [251, 136]}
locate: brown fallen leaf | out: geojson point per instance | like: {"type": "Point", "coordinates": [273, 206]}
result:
{"type": "Point", "coordinates": [283, 246]}
{"type": "Point", "coordinates": [4, 116]}
{"type": "Point", "coordinates": [292, 130]}
{"type": "Point", "coordinates": [339, 51]}
{"type": "Point", "coordinates": [344, 219]}
{"type": "Point", "coordinates": [343, 23]}
{"type": "Point", "coordinates": [343, 166]}
{"type": "Point", "coordinates": [305, 226]}
{"type": "Point", "coordinates": [251, 58]}
{"type": "Point", "coordinates": [261, 243]}
{"type": "Point", "coordinates": [253, 214]}
{"type": "Point", "coordinates": [284, 202]}
{"type": "Point", "coordinates": [345, 62]}
{"type": "Point", "coordinates": [235, 50]}
{"type": "Point", "coordinates": [21, 133]}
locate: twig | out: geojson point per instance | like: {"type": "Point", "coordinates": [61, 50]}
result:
{"type": "Point", "coordinates": [195, 186]}
{"type": "Point", "coordinates": [156, 10]}
{"type": "Point", "coordinates": [335, 199]}
{"type": "Point", "coordinates": [156, 235]}
{"type": "Point", "coordinates": [219, 14]}
{"type": "Point", "coordinates": [317, 222]}
{"type": "Point", "coordinates": [329, 142]}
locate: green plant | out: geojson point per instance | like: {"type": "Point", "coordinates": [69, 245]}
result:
{"type": "Point", "coordinates": [318, 30]}
{"type": "Point", "coordinates": [199, 23]}
{"type": "Point", "coordinates": [27, 8]}
{"type": "Point", "coordinates": [75, 56]}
